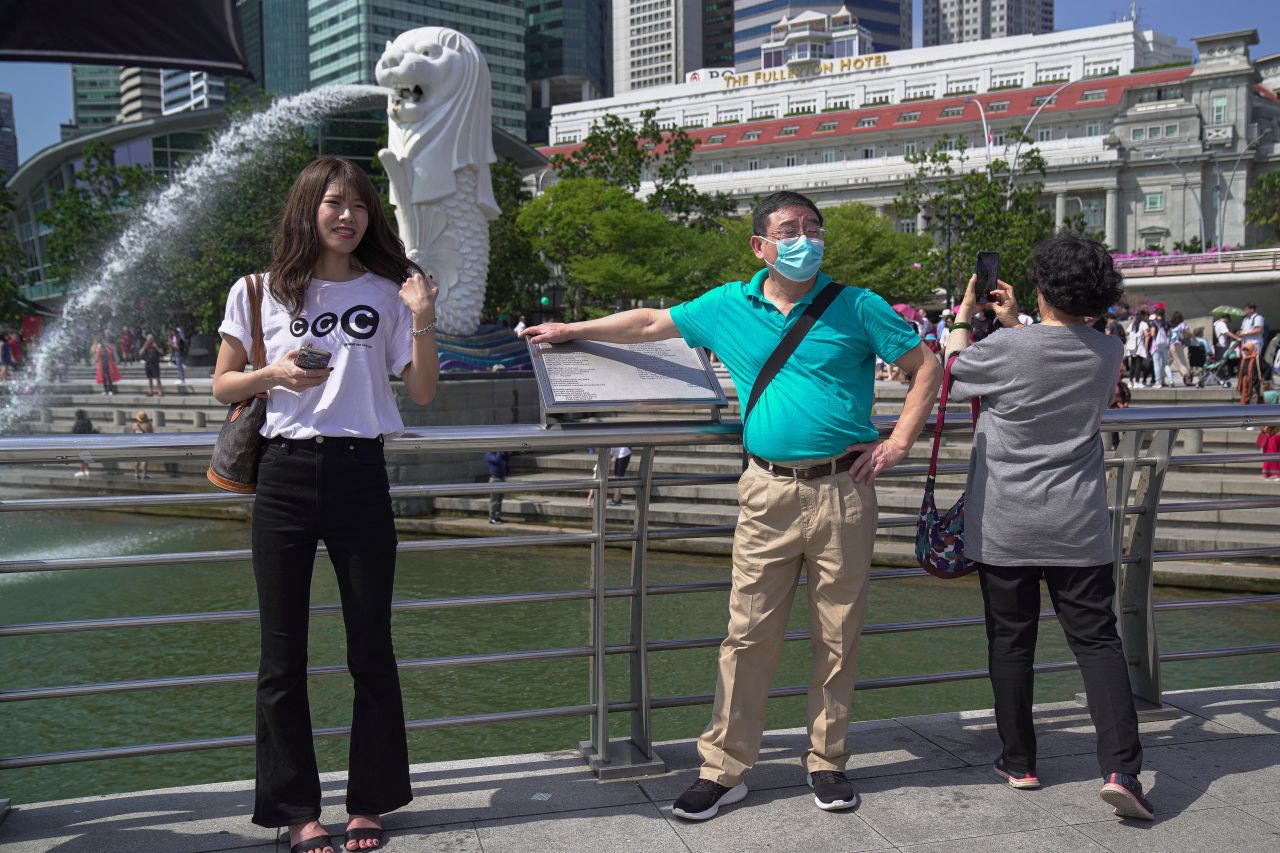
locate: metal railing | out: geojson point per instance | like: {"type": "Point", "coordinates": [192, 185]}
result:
{"type": "Point", "coordinates": [1254, 260]}
{"type": "Point", "coordinates": [1136, 470]}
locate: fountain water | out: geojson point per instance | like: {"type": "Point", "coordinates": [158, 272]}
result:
{"type": "Point", "coordinates": [167, 215]}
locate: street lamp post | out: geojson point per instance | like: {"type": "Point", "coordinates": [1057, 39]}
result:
{"type": "Point", "coordinates": [1222, 203]}
{"type": "Point", "coordinates": [986, 132]}
{"type": "Point", "coordinates": [1026, 131]}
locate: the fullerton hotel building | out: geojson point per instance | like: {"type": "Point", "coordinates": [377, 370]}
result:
{"type": "Point", "coordinates": [1151, 147]}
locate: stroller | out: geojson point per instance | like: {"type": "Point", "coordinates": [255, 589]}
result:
{"type": "Point", "coordinates": [1219, 371]}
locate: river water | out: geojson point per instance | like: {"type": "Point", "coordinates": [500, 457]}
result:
{"type": "Point", "coordinates": [182, 713]}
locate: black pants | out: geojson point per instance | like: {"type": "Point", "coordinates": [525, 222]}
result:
{"type": "Point", "coordinates": [495, 499]}
{"type": "Point", "coordinates": [1082, 598]}
{"type": "Point", "coordinates": [333, 489]}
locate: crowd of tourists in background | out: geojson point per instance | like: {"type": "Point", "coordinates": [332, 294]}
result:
{"type": "Point", "coordinates": [1162, 349]}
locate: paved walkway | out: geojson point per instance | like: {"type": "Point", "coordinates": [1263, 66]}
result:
{"type": "Point", "coordinates": [1213, 773]}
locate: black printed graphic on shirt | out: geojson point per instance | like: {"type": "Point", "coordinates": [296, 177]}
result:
{"type": "Point", "coordinates": [358, 321]}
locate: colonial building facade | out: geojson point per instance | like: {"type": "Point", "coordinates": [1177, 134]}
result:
{"type": "Point", "coordinates": [1151, 148]}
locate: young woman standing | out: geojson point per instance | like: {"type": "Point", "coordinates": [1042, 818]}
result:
{"type": "Point", "coordinates": [339, 281]}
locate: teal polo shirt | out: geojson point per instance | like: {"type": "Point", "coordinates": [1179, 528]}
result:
{"type": "Point", "coordinates": [820, 401]}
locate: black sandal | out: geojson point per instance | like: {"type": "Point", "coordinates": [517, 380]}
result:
{"type": "Point", "coordinates": [364, 833]}
{"type": "Point", "coordinates": [313, 844]}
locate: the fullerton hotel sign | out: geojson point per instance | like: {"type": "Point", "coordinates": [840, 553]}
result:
{"type": "Point", "coordinates": [781, 75]}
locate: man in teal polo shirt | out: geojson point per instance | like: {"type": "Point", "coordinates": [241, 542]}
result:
{"type": "Point", "coordinates": [806, 499]}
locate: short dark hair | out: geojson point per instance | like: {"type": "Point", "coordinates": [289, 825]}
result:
{"type": "Point", "coordinates": [1075, 275]}
{"type": "Point", "coordinates": [774, 202]}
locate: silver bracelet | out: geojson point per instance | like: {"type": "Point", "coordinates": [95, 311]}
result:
{"type": "Point", "coordinates": [430, 327]}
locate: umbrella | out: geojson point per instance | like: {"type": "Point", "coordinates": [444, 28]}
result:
{"type": "Point", "coordinates": [906, 311]}
{"type": "Point", "coordinates": [1227, 311]}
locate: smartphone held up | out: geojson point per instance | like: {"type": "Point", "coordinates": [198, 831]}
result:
{"type": "Point", "coordinates": [310, 358]}
{"type": "Point", "coordinates": [988, 272]}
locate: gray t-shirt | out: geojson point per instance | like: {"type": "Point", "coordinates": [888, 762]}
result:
{"type": "Point", "coordinates": [1037, 494]}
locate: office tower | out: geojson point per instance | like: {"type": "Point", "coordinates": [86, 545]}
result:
{"type": "Point", "coordinates": [141, 93]}
{"type": "Point", "coordinates": [191, 90]}
{"type": "Point", "coordinates": [717, 34]}
{"type": "Point", "coordinates": [95, 96]}
{"type": "Point", "coordinates": [888, 21]}
{"type": "Point", "coordinates": [276, 46]}
{"type": "Point", "coordinates": [8, 138]}
{"type": "Point", "coordinates": [566, 58]}
{"type": "Point", "coordinates": [955, 21]}
{"type": "Point", "coordinates": [655, 42]}
{"type": "Point", "coordinates": [346, 38]}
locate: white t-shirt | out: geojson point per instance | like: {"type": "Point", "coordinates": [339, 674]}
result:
{"type": "Point", "coordinates": [1220, 330]}
{"type": "Point", "coordinates": [1251, 329]}
{"type": "Point", "coordinates": [616, 453]}
{"type": "Point", "coordinates": [366, 327]}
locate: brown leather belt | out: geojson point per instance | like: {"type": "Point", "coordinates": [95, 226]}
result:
{"type": "Point", "coordinates": [826, 469]}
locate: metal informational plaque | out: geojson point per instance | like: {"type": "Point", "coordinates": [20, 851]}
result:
{"type": "Point", "coordinates": [590, 376]}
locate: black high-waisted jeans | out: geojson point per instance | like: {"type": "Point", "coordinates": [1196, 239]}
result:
{"type": "Point", "coordinates": [1082, 598]}
{"type": "Point", "coordinates": [336, 490]}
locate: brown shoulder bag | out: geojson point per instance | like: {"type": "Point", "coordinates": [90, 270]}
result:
{"type": "Point", "coordinates": [234, 466]}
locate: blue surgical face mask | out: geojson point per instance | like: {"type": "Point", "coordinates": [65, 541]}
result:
{"type": "Point", "coordinates": [798, 257]}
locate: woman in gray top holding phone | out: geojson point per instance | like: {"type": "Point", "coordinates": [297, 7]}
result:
{"type": "Point", "coordinates": [1036, 501]}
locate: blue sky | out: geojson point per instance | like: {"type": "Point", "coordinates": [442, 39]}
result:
{"type": "Point", "coordinates": [42, 92]}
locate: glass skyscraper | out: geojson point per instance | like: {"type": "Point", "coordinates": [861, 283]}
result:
{"type": "Point", "coordinates": [567, 57]}
{"type": "Point", "coordinates": [347, 37]}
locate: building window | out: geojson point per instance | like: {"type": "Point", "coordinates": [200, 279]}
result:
{"type": "Point", "coordinates": [918, 92]}
{"type": "Point", "coordinates": [909, 148]}
{"type": "Point", "coordinates": [997, 137]}
{"type": "Point", "coordinates": [751, 136]}
{"type": "Point", "coordinates": [826, 126]}
{"type": "Point", "coordinates": [1093, 95]}
{"type": "Point", "coordinates": [868, 152]}
{"type": "Point", "coordinates": [730, 116]}
{"type": "Point", "coordinates": [1170, 130]}
{"type": "Point", "coordinates": [1053, 75]}
{"type": "Point", "coordinates": [1153, 132]}
{"type": "Point", "coordinates": [907, 118]}
{"type": "Point", "coordinates": [1138, 134]}
{"type": "Point", "coordinates": [716, 139]}
{"type": "Point", "coordinates": [717, 168]}
{"type": "Point", "coordinates": [696, 121]}
{"type": "Point", "coordinates": [998, 107]}
{"type": "Point", "coordinates": [1102, 68]}
{"type": "Point", "coordinates": [789, 131]}
{"type": "Point", "coordinates": [1093, 128]}
{"type": "Point", "coordinates": [828, 156]}
{"type": "Point", "coordinates": [1153, 202]}
{"type": "Point", "coordinates": [1049, 100]}
{"type": "Point", "coordinates": [879, 97]}
{"type": "Point", "coordinates": [868, 121]}
{"type": "Point", "coordinates": [952, 112]}
{"type": "Point", "coordinates": [790, 160]}
{"type": "Point", "coordinates": [906, 226]}
{"type": "Point", "coordinates": [753, 165]}
{"type": "Point", "coordinates": [1218, 110]}
{"type": "Point", "coordinates": [839, 104]}
{"type": "Point", "coordinates": [1006, 81]}
{"type": "Point", "coordinates": [1044, 134]}
{"type": "Point", "coordinates": [1160, 93]}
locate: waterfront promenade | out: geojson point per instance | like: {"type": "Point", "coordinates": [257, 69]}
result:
{"type": "Point", "coordinates": [1212, 771]}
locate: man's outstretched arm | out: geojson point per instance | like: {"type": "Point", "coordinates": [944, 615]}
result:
{"type": "Point", "coordinates": [625, 327]}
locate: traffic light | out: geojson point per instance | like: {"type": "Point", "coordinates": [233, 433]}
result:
{"type": "Point", "coordinates": [544, 301]}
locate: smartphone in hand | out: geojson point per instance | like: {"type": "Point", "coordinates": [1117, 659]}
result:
{"type": "Point", "coordinates": [988, 271]}
{"type": "Point", "coordinates": [310, 358]}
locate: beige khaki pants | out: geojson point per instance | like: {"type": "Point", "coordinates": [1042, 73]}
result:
{"type": "Point", "coordinates": [827, 524]}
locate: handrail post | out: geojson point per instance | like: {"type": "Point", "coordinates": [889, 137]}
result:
{"type": "Point", "coordinates": [1135, 593]}
{"type": "Point", "coordinates": [634, 756]}
{"type": "Point", "coordinates": [599, 675]}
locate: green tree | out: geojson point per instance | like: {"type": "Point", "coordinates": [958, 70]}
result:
{"type": "Point", "coordinates": [601, 239]}
{"type": "Point", "coordinates": [1262, 204]}
{"type": "Point", "coordinates": [865, 249]}
{"type": "Point", "coordinates": [981, 209]}
{"type": "Point", "coordinates": [515, 270]}
{"type": "Point", "coordinates": [88, 213]}
{"type": "Point", "coordinates": [12, 258]}
{"type": "Point", "coordinates": [623, 155]}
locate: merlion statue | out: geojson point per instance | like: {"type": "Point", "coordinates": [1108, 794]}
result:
{"type": "Point", "coordinates": [439, 147]}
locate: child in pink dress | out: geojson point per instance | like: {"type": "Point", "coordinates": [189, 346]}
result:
{"type": "Point", "coordinates": [1269, 441]}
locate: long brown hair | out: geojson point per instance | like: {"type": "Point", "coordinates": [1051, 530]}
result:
{"type": "Point", "coordinates": [297, 243]}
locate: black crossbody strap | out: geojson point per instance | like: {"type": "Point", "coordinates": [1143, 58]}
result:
{"type": "Point", "coordinates": [789, 342]}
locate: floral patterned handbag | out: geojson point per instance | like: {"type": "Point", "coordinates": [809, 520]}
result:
{"type": "Point", "coordinates": [940, 540]}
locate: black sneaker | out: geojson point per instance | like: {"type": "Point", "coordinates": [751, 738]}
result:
{"type": "Point", "coordinates": [703, 799]}
{"type": "Point", "coordinates": [832, 790]}
{"type": "Point", "coordinates": [1124, 792]}
{"type": "Point", "coordinates": [1020, 779]}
